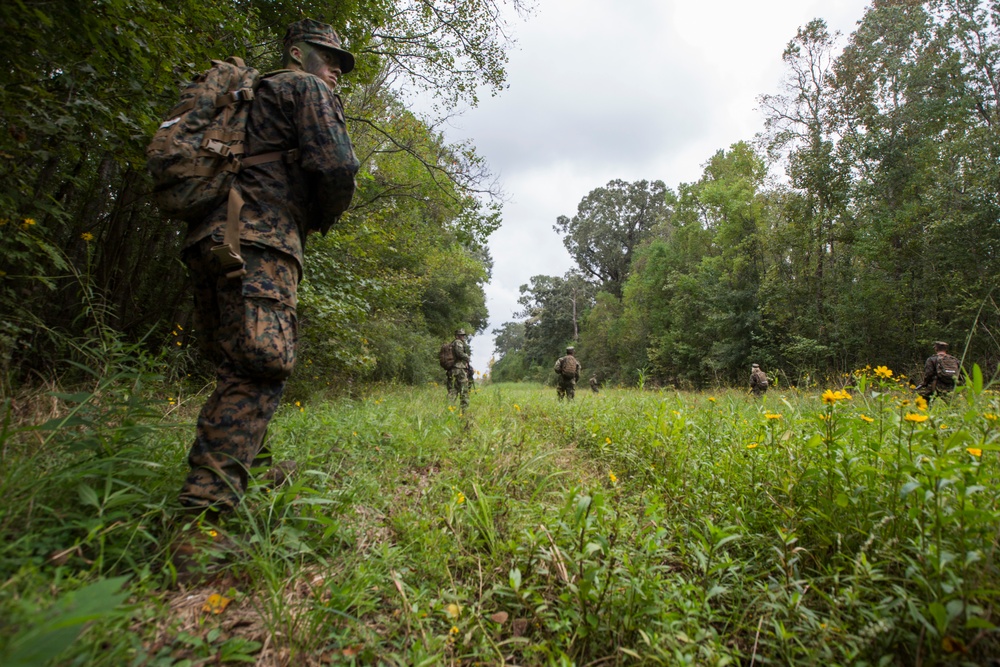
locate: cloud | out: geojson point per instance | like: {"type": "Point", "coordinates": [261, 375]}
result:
{"type": "Point", "coordinates": [636, 89]}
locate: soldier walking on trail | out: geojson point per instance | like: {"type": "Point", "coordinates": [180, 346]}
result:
{"type": "Point", "coordinates": [593, 383]}
{"type": "Point", "coordinates": [758, 381]}
{"type": "Point", "coordinates": [568, 370]}
{"type": "Point", "coordinates": [302, 182]}
{"type": "Point", "coordinates": [458, 374]}
{"type": "Point", "coordinates": [942, 372]}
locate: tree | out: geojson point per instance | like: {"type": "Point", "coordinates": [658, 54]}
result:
{"type": "Point", "coordinates": [82, 91]}
{"type": "Point", "coordinates": [553, 309]}
{"type": "Point", "coordinates": [609, 225]}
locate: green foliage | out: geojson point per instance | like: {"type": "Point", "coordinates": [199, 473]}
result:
{"type": "Point", "coordinates": [847, 527]}
{"type": "Point", "coordinates": [874, 239]}
{"type": "Point", "coordinates": [81, 96]}
{"type": "Point", "coordinates": [611, 222]}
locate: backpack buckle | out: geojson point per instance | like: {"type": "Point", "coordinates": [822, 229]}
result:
{"type": "Point", "coordinates": [217, 147]}
{"type": "Point", "coordinates": [231, 261]}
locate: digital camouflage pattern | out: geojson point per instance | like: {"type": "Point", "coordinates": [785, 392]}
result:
{"type": "Point", "coordinates": [458, 375]}
{"type": "Point", "coordinates": [758, 381]}
{"type": "Point", "coordinates": [283, 200]}
{"type": "Point", "coordinates": [248, 325]}
{"type": "Point", "coordinates": [568, 369]}
{"type": "Point", "coordinates": [939, 375]}
{"type": "Point", "coordinates": [248, 328]}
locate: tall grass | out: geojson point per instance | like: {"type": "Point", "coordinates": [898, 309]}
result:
{"type": "Point", "coordinates": [627, 527]}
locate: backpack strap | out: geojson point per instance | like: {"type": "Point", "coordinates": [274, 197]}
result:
{"type": "Point", "coordinates": [228, 252]}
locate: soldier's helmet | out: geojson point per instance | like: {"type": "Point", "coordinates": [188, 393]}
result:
{"type": "Point", "coordinates": [570, 349]}
{"type": "Point", "coordinates": [459, 332]}
{"type": "Point", "coordinates": [940, 345]}
{"type": "Point", "coordinates": [320, 34]}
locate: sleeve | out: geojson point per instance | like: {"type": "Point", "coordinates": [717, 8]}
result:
{"type": "Point", "coordinates": [325, 151]}
{"type": "Point", "coordinates": [930, 370]}
{"type": "Point", "coordinates": [458, 347]}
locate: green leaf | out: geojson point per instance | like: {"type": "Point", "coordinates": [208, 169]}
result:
{"type": "Point", "coordinates": [515, 579]}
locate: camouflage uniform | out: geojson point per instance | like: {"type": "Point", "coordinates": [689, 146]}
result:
{"type": "Point", "coordinates": [758, 381]}
{"type": "Point", "coordinates": [935, 381]}
{"type": "Point", "coordinates": [566, 386]}
{"type": "Point", "coordinates": [248, 325]}
{"type": "Point", "coordinates": [459, 373]}
{"type": "Point", "coordinates": [593, 383]}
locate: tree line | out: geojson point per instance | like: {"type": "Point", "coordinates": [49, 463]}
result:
{"type": "Point", "coordinates": [859, 226]}
{"type": "Point", "coordinates": [89, 265]}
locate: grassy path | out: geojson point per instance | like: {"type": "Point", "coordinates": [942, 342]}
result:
{"type": "Point", "coordinates": [622, 528]}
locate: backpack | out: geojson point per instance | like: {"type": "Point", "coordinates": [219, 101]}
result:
{"type": "Point", "coordinates": [446, 356]}
{"type": "Point", "coordinates": [948, 369]}
{"type": "Point", "coordinates": [760, 378]}
{"type": "Point", "coordinates": [196, 152]}
{"type": "Point", "coordinates": [567, 366]}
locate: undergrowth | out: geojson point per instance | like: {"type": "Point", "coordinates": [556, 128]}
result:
{"type": "Point", "coordinates": [854, 526]}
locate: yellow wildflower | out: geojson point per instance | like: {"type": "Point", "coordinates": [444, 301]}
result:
{"type": "Point", "coordinates": [454, 630]}
{"type": "Point", "coordinates": [772, 415]}
{"type": "Point", "coordinates": [298, 404]}
{"type": "Point", "coordinates": [920, 402]}
{"type": "Point", "coordinates": [517, 407]}
{"type": "Point", "coordinates": [28, 222]}
{"type": "Point", "coordinates": [831, 397]}
{"type": "Point", "coordinates": [883, 372]}
{"type": "Point", "coordinates": [989, 415]}
{"type": "Point", "coordinates": [612, 477]}
{"type": "Point", "coordinates": [866, 418]}
{"type": "Point", "coordinates": [178, 343]}
{"type": "Point", "coordinates": [824, 417]}
{"type": "Point", "coordinates": [914, 417]}
{"type": "Point", "coordinates": [712, 399]}
{"type": "Point", "coordinates": [607, 441]}
{"type": "Point", "coordinates": [904, 402]}
{"type": "Point", "coordinates": [87, 237]}
{"type": "Point", "coordinates": [213, 533]}
{"type": "Point", "coordinates": [752, 445]}
{"type": "Point", "coordinates": [451, 408]}
{"type": "Point", "coordinates": [975, 451]}
{"type": "Point", "coordinates": [460, 498]}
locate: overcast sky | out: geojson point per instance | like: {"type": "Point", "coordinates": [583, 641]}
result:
{"type": "Point", "coordinates": [634, 89]}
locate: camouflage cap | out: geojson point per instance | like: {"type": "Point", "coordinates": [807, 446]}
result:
{"type": "Point", "coordinates": [570, 349]}
{"type": "Point", "coordinates": [320, 34]}
{"type": "Point", "coordinates": [940, 345]}
{"type": "Point", "coordinates": [460, 332]}
{"type": "Point", "coordinates": [754, 365]}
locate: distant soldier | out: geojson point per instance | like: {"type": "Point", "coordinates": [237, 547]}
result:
{"type": "Point", "coordinates": [459, 372]}
{"type": "Point", "coordinates": [941, 372]}
{"type": "Point", "coordinates": [758, 381]}
{"type": "Point", "coordinates": [568, 370]}
{"type": "Point", "coordinates": [593, 383]}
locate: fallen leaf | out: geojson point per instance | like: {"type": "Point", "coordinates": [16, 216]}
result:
{"type": "Point", "coordinates": [215, 604]}
{"type": "Point", "coordinates": [499, 617]}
